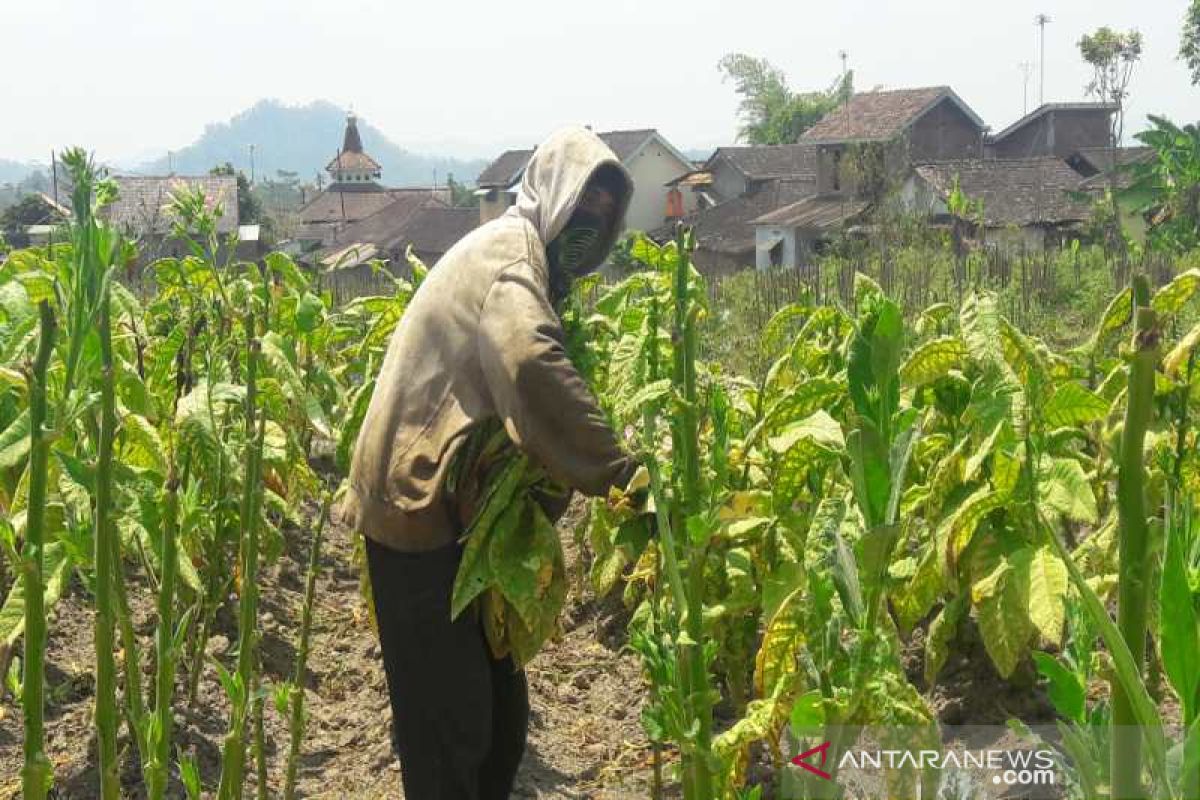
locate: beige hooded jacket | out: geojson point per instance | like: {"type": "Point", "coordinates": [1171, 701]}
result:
{"type": "Point", "coordinates": [481, 340]}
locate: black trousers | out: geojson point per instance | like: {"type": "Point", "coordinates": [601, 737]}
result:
{"type": "Point", "coordinates": [459, 716]}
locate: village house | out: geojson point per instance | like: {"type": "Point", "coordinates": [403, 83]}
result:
{"type": "Point", "coordinates": [1055, 129]}
{"type": "Point", "coordinates": [653, 163]}
{"type": "Point", "coordinates": [1026, 202]}
{"type": "Point", "coordinates": [354, 194]}
{"type": "Point", "coordinates": [913, 144]}
{"type": "Point", "coordinates": [777, 203]}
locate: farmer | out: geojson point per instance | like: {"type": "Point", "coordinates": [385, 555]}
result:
{"type": "Point", "coordinates": [480, 341]}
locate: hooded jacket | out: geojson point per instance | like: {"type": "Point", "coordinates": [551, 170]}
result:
{"type": "Point", "coordinates": [481, 340]}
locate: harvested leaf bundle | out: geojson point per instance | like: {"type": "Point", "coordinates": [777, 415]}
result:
{"type": "Point", "coordinates": [513, 560]}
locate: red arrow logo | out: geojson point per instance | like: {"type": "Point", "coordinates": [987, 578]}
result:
{"type": "Point", "coordinates": [800, 761]}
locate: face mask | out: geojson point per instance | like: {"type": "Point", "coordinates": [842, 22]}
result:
{"type": "Point", "coordinates": [573, 246]}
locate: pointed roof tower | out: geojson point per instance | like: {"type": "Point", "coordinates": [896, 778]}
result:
{"type": "Point", "coordinates": [351, 141]}
{"type": "Point", "coordinates": [352, 169]}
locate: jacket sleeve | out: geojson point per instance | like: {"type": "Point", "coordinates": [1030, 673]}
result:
{"type": "Point", "coordinates": [545, 404]}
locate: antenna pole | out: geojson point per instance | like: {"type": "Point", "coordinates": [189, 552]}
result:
{"type": "Point", "coordinates": [1026, 68]}
{"type": "Point", "coordinates": [1040, 20]}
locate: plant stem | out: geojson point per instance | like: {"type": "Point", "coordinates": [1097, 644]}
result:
{"type": "Point", "coordinates": [296, 721]}
{"type": "Point", "coordinates": [260, 748]}
{"type": "Point", "coordinates": [233, 759]}
{"type": "Point", "coordinates": [1126, 741]}
{"type": "Point", "coordinates": [36, 771]}
{"type": "Point", "coordinates": [107, 552]}
{"type": "Point", "coordinates": [164, 685]}
{"type": "Point", "coordinates": [684, 339]}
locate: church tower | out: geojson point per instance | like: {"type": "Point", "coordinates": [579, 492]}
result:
{"type": "Point", "coordinates": [352, 170]}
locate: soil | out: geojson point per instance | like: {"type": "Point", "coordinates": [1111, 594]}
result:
{"type": "Point", "coordinates": [585, 738]}
{"type": "Point", "coordinates": [586, 693]}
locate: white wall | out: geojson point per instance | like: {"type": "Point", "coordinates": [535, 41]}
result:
{"type": "Point", "coordinates": [763, 234]}
{"type": "Point", "coordinates": [651, 169]}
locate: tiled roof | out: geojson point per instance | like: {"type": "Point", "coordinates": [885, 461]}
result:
{"type": "Point", "coordinates": [728, 227]}
{"type": "Point", "coordinates": [424, 222]}
{"type": "Point", "coordinates": [352, 160]}
{"type": "Point", "coordinates": [815, 213]}
{"type": "Point", "coordinates": [771, 161]}
{"type": "Point", "coordinates": [882, 115]}
{"type": "Point", "coordinates": [327, 206]}
{"type": "Point", "coordinates": [1021, 191]}
{"type": "Point", "coordinates": [140, 207]}
{"type": "Point", "coordinates": [1090, 160]}
{"type": "Point", "coordinates": [435, 229]}
{"type": "Point", "coordinates": [507, 168]}
{"type": "Point", "coordinates": [1046, 108]}
{"type": "Point", "coordinates": [626, 143]}
{"type": "Point", "coordinates": [503, 172]}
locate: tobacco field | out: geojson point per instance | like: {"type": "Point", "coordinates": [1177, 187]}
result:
{"type": "Point", "coordinates": [808, 551]}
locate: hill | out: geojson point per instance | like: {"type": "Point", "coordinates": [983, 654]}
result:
{"type": "Point", "coordinates": [303, 139]}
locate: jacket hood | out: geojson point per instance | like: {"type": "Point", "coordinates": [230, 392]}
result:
{"type": "Point", "coordinates": [554, 180]}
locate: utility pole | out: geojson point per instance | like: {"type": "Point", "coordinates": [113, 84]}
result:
{"type": "Point", "coordinates": [170, 163]}
{"type": "Point", "coordinates": [1040, 20]}
{"type": "Point", "coordinates": [1026, 68]}
{"type": "Point", "coordinates": [251, 165]}
{"type": "Point", "coordinates": [845, 57]}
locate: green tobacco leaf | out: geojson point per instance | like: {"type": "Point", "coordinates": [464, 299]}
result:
{"type": "Point", "coordinates": [1066, 691]}
{"type": "Point", "coordinates": [1175, 361]}
{"type": "Point", "coordinates": [913, 602]}
{"type": "Point", "coordinates": [310, 312]}
{"type": "Point", "coordinates": [933, 360]}
{"type": "Point", "coordinates": [798, 402]}
{"type": "Point", "coordinates": [1063, 486]}
{"type": "Point", "coordinates": [784, 635]}
{"type": "Point", "coordinates": [1172, 297]}
{"type": "Point", "coordinates": [1116, 316]}
{"type": "Point", "coordinates": [56, 566]}
{"type": "Point", "coordinates": [959, 527]}
{"type": "Point", "coordinates": [650, 393]}
{"type": "Point", "coordinates": [1127, 670]}
{"type": "Point", "coordinates": [1047, 577]}
{"type": "Point", "coordinates": [1072, 404]}
{"type": "Point", "coordinates": [1179, 635]}
{"type": "Point", "coordinates": [278, 357]}
{"type": "Point", "coordinates": [14, 441]}
{"type": "Point", "coordinates": [527, 567]}
{"type": "Point", "coordinates": [352, 424]}
{"type": "Point", "coordinates": [941, 634]}
{"type": "Point", "coordinates": [980, 323]}
{"type": "Point", "coordinates": [781, 323]}
{"type": "Point", "coordinates": [819, 433]}
{"type": "Point", "coordinates": [1001, 601]}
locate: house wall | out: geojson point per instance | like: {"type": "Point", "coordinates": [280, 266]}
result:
{"type": "Point", "coordinates": [1056, 133]}
{"type": "Point", "coordinates": [728, 181]}
{"type": "Point", "coordinates": [763, 234]}
{"type": "Point", "coordinates": [651, 169]}
{"type": "Point", "coordinates": [494, 203]}
{"type": "Point", "coordinates": [943, 133]}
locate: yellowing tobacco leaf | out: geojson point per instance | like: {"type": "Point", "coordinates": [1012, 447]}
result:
{"type": "Point", "coordinates": [932, 360]}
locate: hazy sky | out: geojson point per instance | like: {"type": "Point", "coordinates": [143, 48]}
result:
{"type": "Point", "coordinates": [133, 78]}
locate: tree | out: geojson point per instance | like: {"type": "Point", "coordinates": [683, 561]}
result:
{"type": "Point", "coordinates": [1166, 188]}
{"type": "Point", "coordinates": [460, 195]}
{"type": "Point", "coordinates": [250, 210]}
{"type": "Point", "coordinates": [1189, 47]}
{"type": "Point", "coordinates": [1112, 56]}
{"type": "Point", "coordinates": [771, 113]}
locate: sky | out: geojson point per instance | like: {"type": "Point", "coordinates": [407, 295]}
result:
{"type": "Point", "coordinates": [130, 79]}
